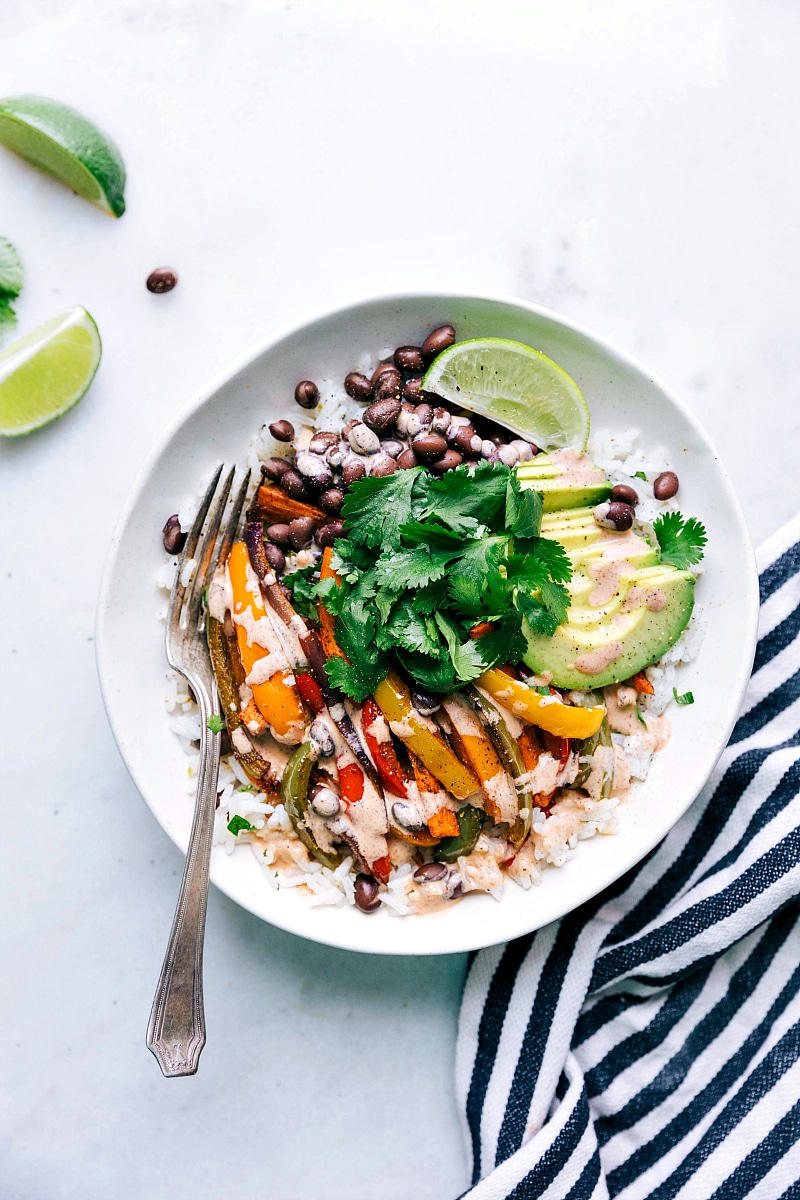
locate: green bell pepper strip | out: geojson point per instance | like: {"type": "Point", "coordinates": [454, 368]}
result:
{"type": "Point", "coordinates": [589, 745]}
{"type": "Point", "coordinates": [470, 820]}
{"type": "Point", "coordinates": [294, 795]}
{"type": "Point", "coordinates": [511, 758]}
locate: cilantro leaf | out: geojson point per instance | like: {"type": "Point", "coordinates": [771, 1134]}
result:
{"type": "Point", "coordinates": [523, 509]}
{"type": "Point", "coordinates": [412, 568]}
{"type": "Point", "coordinates": [686, 698]}
{"type": "Point", "coordinates": [506, 643]}
{"type": "Point", "coordinates": [8, 318]}
{"type": "Point", "coordinates": [681, 539]}
{"type": "Point", "coordinates": [481, 559]}
{"type": "Point", "coordinates": [432, 674]}
{"type": "Point", "coordinates": [466, 596]}
{"type": "Point", "coordinates": [540, 619]}
{"type": "Point", "coordinates": [430, 533]}
{"type": "Point", "coordinates": [465, 497]}
{"type": "Point", "coordinates": [427, 599]}
{"type": "Point", "coordinates": [465, 657]}
{"type": "Point", "coordinates": [238, 825]}
{"type": "Point", "coordinates": [303, 591]}
{"type": "Point", "coordinates": [411, 630]}
{"type": "Point", "coordinates": [375, 508]}
{"type": "Point", "coordinates": [215, 723]}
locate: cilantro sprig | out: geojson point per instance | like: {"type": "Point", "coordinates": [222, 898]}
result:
{"type": "Point", "coordinates": [682, 540]}
{"type": "Point", "coordinates": [424, 561]}
{"type": "Point", "coordinates": [11, 280]}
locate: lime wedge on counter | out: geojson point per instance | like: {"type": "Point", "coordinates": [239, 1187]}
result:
{"type": "Point", "coordinates": [66, 145]}
{"type": "Point", "coordinates": [45, 373]}
{"type": "Point", "coordinates": [514, 385]}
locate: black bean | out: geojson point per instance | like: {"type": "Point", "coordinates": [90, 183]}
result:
{"type": "Point", "coordinates": [367, 893]}
{"type": "Point", "coordinates": [321, 442]}
{"type": "Point", "coordinates": [412, 389]}
{"type": "Point", "coordinates": [407, 460]}
{"type": "Point", "coordinates": [275, 556]}
{"type": "Point", "coordinates": [408, 358]}
{"type": "Point", "coordinates": [315, 471]}
{"type": "Point", "coordinates": [429, 446]}
{"type": "Point", "coordinates": [431, 872]}
{"type": "Point", "coordinates": [282, 431]}
{"type": "Point", "coordinates": [306, 393]}
{"type": "Point", "coordinates": [353, 471]}
{"type": "Point", "coordinates": [382, 464]}
{"type": "Point", "coordinates": [448, 462]}
{"type": "Point", "coordinates": [425, 703]}
{"type": "Point", "coordinates": [382, 413]}
{"type": "Point", "coordinates": [332, 500]}
{"type": "Point", "coordinates": [163, 279]}
{"type": "Point", "coordinates": [666, 485]}
{"type": "Point", "coordinates": [387, 368]}
{"type": "Point", "coordinates": [301, 531]}
{"type": "Point", "coordinates": [328, 534]}
{"type": "Point", "coordinates": [173, 539]}
{"type": "Point", "coordinates": [437, 341]}
{"type": "Point", "coordinates": [294, 485]}
{"type": "Point", "coordinates": [278, 533]}
{"type": "Point", "coordinates": [274, 468]}
{"type": "Point", "coordinates": [392, 447]}
{"type": "Point", "coordinates": [462, 440]}
{"type": "Point", "coordinates": [424, 414]}
{"type": "Point", "coordinates": [388, 386]}
{"type": "Point", "coordinates": [358, 386]}
{"type": "Point", "coordinates": [626, 494]}
{"type": "Point", "coordinates": [614, 515]}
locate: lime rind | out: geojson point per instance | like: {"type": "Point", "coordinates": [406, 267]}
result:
{"type": "Point", "coordinates": [515, 385]}
{"type": "Point", "coordinates": [63, 143]}
{"type": "Point", "coordinates": [44, 374]}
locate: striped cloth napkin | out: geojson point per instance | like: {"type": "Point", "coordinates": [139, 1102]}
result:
{"type": "Point", "coordinates": [648, 1044]}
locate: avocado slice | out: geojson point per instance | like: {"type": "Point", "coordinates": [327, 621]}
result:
{"type": "Point", "coordinates": [566, 479]}
{"type": "Point", "coordinates": [627, 608]}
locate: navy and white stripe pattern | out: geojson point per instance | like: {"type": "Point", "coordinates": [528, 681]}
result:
{"type": "Point", "coordinates": [648, 1045]}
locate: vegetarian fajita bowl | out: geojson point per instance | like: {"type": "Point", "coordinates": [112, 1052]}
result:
{"type": "Point", "coordinates": [451, 643]}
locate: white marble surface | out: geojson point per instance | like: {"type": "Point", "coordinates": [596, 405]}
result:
{"type": "Point", "coordinates": [634, 165]}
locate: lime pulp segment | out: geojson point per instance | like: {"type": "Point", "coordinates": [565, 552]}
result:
{"type": "Point", "coordinates": [66, 145]}
{"type": "Point", "coordinates": [514, 385]}
{"type": "Point", "coordinates": [47, 372]}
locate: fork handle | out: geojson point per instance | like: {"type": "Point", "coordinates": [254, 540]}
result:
{"type": "Point", "coordinates": [176, 1032]}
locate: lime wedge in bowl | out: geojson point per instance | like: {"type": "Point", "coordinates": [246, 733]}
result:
{"type": "Point", "coordinates": [44, 374]}
{"type": "Point", "coordinates": [66, 145]}
{"type": "Point", "coordinates": [514, 385]}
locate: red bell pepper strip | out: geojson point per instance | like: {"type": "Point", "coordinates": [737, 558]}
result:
{"type": "Point", "coordinates": [310, 691]}
{"type": "Point", "coordinates": [351, 781]}
{"type": "Point", "coordinates": [383, 754]}
{"type": "Point", "coordinates": [382, 868]}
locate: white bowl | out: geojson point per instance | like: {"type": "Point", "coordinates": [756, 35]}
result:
{"type": "Point", "coordinates": [217, 425]}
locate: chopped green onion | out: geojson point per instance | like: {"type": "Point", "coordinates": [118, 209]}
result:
{"type": "Point", "coordinates": [686, 698]}
{"type": "Point", "coordinates": [238, 825]}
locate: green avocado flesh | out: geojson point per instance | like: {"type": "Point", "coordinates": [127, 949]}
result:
{"type": "Point", "coordinates": [621, 631]}
{"type": "Point", "coordinates": [565, 479]}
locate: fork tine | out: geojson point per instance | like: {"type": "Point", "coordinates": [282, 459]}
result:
{"type": "Point", "coordinates": [178, 589]}
{"type": "Point", "coordinates": [229, 536]}
{"type": "Point", "coordinates": [202, 574]}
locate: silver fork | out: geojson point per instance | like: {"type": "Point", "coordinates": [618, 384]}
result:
{"type": "Point", "coordinates": [176, 1032]}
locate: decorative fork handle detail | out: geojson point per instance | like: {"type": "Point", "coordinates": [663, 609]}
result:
{"type": "Point", "coordinates": [176, 1032]}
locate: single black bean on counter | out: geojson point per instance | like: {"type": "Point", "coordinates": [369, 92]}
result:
{"type": "Point", "coordinates": [437, 341]}
{"type": "Point", "coordinates": [367, 893]}
{"type": "Point", "coordinates": [614, 515]}
{"type": "Point", "coordinates": [666, 486]}
{"type": "Point", "coordinates": [306, 393]}
{"type": "Point", "coordinates": [282, 431]}
{"type": "Point", "coordinates": [627, 495]}
{"type": "Point", "coordinates": [173, 539]}
{"type": "Point", "coordinates": [163, 279]}
{"type": "Point", "coordinates": [358, 386]}
{"type": "Point", "coordinates": [301, 531]}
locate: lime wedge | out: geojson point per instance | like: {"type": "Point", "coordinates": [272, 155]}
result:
{"type": "Point", "coordinates": [58, 140]}
{"type": "Point", "coordinates": [45, 373]}
{"type": "Point", "coordinates": [514, 385]}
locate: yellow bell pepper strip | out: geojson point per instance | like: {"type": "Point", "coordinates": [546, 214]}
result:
{"type": "Point", "coordinates": [564, 720]}
{"type": "Point", "coordinates": [394, 700]}
{"type": "Point", "coordinates": [476, 748]}
{"type": "Point", "coordinates": [276, 698]}
{"type": "Point", "coordinates": [511, 757]}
